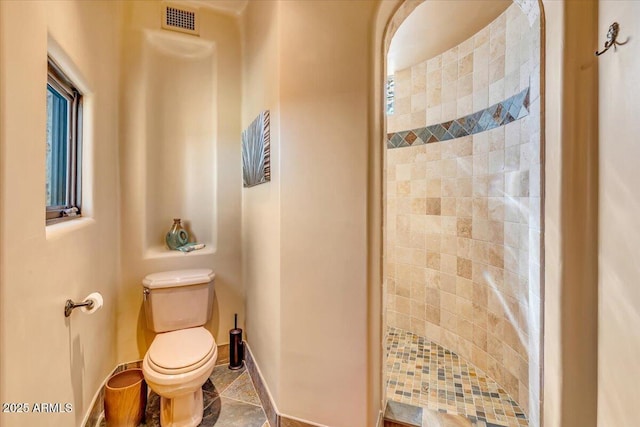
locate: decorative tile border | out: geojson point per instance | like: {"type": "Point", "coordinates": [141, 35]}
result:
{"type": "Point", "coordinates": [500, 114]}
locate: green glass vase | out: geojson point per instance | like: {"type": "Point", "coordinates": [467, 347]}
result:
{"type": "Point", "coordinates": [177, 236]}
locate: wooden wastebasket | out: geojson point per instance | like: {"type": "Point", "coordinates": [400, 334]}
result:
{"type": "Point", "coordinates": [125, 399]}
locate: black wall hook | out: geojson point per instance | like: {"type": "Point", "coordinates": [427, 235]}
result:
{"type": "Point", "coordinates": [612, 35]}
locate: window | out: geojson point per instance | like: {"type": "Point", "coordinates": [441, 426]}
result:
{"type": "Point", "coordinates": [64, 148]}
{"type": "Point", "coordinates": [390, 95]}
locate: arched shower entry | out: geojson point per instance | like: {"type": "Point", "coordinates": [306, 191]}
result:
{"type": "Point", "coordinates": [462, 303]}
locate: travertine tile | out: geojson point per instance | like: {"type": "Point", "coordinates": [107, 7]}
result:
{"type": "Point", "coordinates": [465, 65]}
{"type": "Point", "coordinates": [481, 208]}
{"type": "Point", "coordinates": [481, 37]}
{"type": "Point", "coordinates": [448, 206]}
{"type": "Point", "coordinates": [433, 260]}
{"type": "Point", "coordinates": [434, 188]}
{"type": "Point", "coordinates": [496, 255]}
{"type": "Point", "coordinates": [448, 288]}
{"type": "Point", "coordinates": [464, 106]}
{"type": "Point", "coordinates": [496, 69]}
{"type": "Point", "coordinates": [418, 206]}
{"type": "Point", "coordinates": [463, 247]}
{"type": "Point", "coordinates": [434, 63]}
{"type": "Point", "coordinates": [450, 55]}
{"type": "Point", "coordinates": [419, 102]}
{"type": "Point", "coordinates": [449, 242]}
{"type": "Point", "coordinates": [433, 206]}
{"type": "Point", "coordinates": [464, 268]}
{"type": "Point", "coordinates": [448, 264]}
{"type": "Point", "coordinates": [464, 207]}
{"type": "Point", "coordinates": [497, 45]}
{"type": "Point", "coordinates": [465, 85]}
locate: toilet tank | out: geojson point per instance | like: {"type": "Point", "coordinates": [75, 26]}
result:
{"type": "Point", "coordinates": [178, 299]}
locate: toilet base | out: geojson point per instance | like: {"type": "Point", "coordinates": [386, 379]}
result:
{"type": "Point", "coordinates": [182, 411]}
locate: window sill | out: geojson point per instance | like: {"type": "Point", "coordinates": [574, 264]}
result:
{"type": "Point", "coordinates": [58, 229]}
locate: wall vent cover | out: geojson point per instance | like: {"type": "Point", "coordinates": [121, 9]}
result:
{"type": "Point", "coordinates": [183, 19]}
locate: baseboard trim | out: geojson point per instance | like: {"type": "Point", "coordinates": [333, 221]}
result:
{"type": "Point", "coordinates": [275, 417]}
{"type": "Point", "coordinates": [289, 421]}
{"type": "Point", "coordinates": [268, 404]}
{"type": "Point", "coordinates": [223, 354]}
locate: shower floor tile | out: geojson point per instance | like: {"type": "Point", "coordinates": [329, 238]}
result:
{"type": "Point", "coordinates": [425, 374]}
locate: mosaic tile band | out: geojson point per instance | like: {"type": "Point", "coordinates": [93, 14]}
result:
{"type": "Point", "coordinates": [500, 114]}
{"type": "Point", "coordinates": [425, 374]}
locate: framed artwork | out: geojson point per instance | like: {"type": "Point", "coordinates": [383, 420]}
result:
{"type": "Point", "coordinates": [255, 152]}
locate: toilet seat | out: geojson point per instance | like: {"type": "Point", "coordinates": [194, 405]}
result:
{"type": "Point", "coordinates": [181, 351]}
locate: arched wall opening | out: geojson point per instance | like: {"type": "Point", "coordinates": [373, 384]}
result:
{"type": "Point", "coordinates": [463, 180]}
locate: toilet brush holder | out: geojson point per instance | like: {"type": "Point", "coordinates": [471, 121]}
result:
{"type": "Point", "coordinates": [236, 346]}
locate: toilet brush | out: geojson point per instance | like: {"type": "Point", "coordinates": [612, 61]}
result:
{"type": "Point", "coordinates": [236, 346]}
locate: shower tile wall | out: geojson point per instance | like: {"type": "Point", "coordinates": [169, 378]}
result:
{"type": "Point", "coordinates": [463, 215]}
{"type": "Point", "coordinates": [489, 67]}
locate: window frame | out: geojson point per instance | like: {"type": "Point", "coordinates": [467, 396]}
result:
{"type": "Point", "coordinates": [60, 83]}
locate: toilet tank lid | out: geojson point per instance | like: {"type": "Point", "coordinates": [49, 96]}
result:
{"type": "Point", "coordinates": [170, 279]}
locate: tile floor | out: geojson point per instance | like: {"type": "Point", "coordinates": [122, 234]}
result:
{"type": "Point", "coordinates": [424, 374]}
{"type": "Point", "coordinates": [230, 400]}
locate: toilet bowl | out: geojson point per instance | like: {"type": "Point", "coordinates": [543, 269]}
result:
{"type": "Point", "coordinates": [183, 353]}
{"type": "Point", "coordinates": [176, 366]}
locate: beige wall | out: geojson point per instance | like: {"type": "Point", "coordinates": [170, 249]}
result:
{"type": "Point", "coordinates": [463, 216]}
{"type": "Point", "coordinates": [45, 357]}
{"type": "Point", "coordinates": [619, 230]}
{"type": "Point", "coordinates": [579, 210]}
{"type": "Point", "coordinates": [219, 179]}
{"type": "Point", "coordinates": [261, 261]}
{"type": "Point", "coordinates": [324, 141]}
{"type": "Point", "coordinates": [318, 294]}
{"type": "Point", "coordinates": [571, 216]}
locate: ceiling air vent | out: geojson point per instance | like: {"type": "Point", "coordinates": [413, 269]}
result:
{"type": "Point", "coordinates": [183, 19]}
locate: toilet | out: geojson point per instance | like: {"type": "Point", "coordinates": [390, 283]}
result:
{"type": "Point", "coordinates": [183, 353]}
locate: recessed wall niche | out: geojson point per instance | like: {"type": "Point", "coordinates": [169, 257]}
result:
{"type": "Point", "coordinates": [179, 132]}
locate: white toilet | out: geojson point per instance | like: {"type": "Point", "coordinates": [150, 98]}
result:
{"type": "Point", "coordinates": [182, 355]}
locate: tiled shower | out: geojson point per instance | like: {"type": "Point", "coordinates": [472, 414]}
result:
{"type": "Point", "coordinates": [463, 209]}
